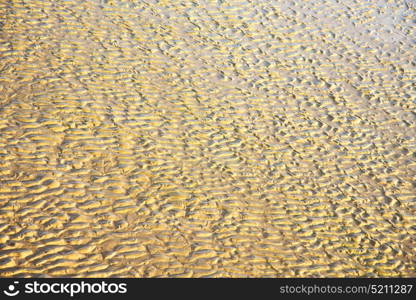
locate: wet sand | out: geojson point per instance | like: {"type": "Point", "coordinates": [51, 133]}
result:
{"type": "Point", "coordinates": [207, 138]}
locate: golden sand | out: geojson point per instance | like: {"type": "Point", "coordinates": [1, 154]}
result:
{"type": "Point", "coordinates": [207, 138]}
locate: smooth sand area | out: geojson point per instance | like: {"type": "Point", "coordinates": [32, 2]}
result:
{"type": "Point", "coordinates": [207, 138]}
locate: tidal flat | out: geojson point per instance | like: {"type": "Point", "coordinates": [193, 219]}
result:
{"type": "Point", "coordinates": [205, 138]}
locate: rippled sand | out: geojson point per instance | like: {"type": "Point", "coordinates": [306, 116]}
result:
{"type": "Point", "coordinates": [207, 138]}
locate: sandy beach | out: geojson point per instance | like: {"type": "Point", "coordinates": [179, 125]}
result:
{"type": "Point", "coordinates": [207, 138]}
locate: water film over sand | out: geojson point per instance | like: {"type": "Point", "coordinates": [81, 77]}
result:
{"type": "Point", "coordinates": [192, 138]}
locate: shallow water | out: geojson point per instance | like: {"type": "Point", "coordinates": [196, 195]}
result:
{"type": "Point", "coordinates": [207, 138]}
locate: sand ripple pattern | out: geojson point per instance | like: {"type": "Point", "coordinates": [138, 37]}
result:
{"type": "Point", "coordinates": [207, 138]}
